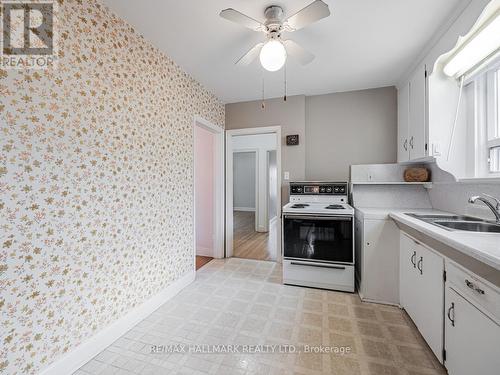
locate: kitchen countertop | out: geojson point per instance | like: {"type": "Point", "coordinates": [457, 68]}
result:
{"type": "Point", "coordinates": [384, 212]}
{"type": "Point", "coordinates": [484, 247]}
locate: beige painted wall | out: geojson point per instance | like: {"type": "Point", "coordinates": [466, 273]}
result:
{"type": "Point", "coordinates": [357, 127]}
{"type": "Point", "coordinates": [290, 115]}
{"type": "Point", "coordinates": [336, 130]}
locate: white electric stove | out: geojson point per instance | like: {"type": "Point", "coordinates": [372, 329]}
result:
{"type": "Point", "coordinates": [318, 236]}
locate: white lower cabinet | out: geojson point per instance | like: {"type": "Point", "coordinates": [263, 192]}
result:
{"type": "Point", "coordinates": [459, 318]}
{"type": "Point", "coordinates": [472, 338]}
{"type": "Point", "coordinates": [377, 243]}
{"type": "Point", "coordinates": [422, 290]}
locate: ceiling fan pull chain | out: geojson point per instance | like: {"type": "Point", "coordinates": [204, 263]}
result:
{"type": "Point", "coordinates": [284, 98]}
{"type": "Point", "coordinates": [263, 103]}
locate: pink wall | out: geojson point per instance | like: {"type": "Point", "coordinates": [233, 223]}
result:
{"type": "Point", "coordinates": [204, 145]}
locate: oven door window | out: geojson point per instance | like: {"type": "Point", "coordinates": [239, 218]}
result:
{"type": "Point", "coordinates": [318, 238]}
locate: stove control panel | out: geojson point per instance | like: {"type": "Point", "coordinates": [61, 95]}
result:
{"type": "Point", "coordinates": [318, 188]}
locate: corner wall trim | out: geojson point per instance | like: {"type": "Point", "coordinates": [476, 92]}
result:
{"type": "Point", "coordinates": [75, 359]}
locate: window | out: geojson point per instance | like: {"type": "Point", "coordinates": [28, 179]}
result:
{"type": "Point", "coordinates": [492, 101]}
{"type": "Point", "coordinates": [486, 107]}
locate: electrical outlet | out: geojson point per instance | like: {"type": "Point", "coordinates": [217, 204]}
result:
{"type": "Point", "coordinates": [286, 176]}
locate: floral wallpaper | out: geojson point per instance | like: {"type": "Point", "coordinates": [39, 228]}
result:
{"type": "Point", "coordinates": [95, 185]}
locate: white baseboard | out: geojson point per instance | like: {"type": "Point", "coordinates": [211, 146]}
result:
{"type": "Point", "coordinates": [246, 209]}
{"type": "Point", "coordinates": [75, 359]}
{"type": "Point", "coordinates": [204, 251]}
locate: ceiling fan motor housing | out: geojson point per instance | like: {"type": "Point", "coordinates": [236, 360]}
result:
{"type": "Point", "coordinates": [273, 23]}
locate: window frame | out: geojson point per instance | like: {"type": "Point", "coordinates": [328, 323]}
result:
{"type": "Point", "coordinates": [486, 118]}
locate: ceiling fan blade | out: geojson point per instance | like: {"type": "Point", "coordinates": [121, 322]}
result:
{"type": "Point", "coordinates": [295, 51]}
{"type": "Point", "coordinates": [311, 13]}
{"type": "Point", "coordinates": [241, 19]}
{"type": "Point", "coordinates": [248, 57]}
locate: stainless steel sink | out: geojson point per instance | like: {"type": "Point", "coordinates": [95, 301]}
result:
{"type": "Point", "coordinates": [459, 222]}
{"type": "Point", "coordinates": [471, 226]}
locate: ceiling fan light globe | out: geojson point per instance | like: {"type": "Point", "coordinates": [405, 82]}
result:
{"type": "Point", "coordinates": [273, 55]}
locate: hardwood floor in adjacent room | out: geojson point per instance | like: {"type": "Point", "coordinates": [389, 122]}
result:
{"type": "Point", "coordinates": [250, 244]}
{"type": "Point", "coordinates": [201, 261]}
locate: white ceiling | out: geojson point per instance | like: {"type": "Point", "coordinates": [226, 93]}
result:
{"type": "Point", "coordinates": [363, 44]}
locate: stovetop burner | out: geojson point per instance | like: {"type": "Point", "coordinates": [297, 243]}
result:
{"type": "Point", "coordinates": [300, 205]}
{"type": "Point", "coordinates": [335, 207]}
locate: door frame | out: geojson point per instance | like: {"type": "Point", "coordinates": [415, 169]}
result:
{"type": "Point", "coordinates": [229, 183]}
{"type": "Point", "coordinates": [256, 197]}
{"type": "Point", "coordinates": [218, 132]}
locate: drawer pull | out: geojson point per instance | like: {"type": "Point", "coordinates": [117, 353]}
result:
{"type": "Point", "coordinates": [420, 264]}
{"type": "Point", "coordinates": [413, 258]}
{"type": "Point", "coordinates": [473, 287]}
{"type": "Point", "coordinates": [450, 310]}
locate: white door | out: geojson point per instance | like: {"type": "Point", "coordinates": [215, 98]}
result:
{"type": "Point", "coordinates": [430, 297]}
{"type": "Point", "coordinates": [407, 275]}
{"type": "Point", "coordinates": [418, 88]}
{"type": "Point", "coordinates": [403, 122]}
{"type": "Point", "coordinates": [472, 339]}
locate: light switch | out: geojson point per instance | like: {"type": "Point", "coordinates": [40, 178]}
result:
{"type": "Point", "coordinates": [286, 175]}
{"type": "Point", "coordinates": [436, 150]}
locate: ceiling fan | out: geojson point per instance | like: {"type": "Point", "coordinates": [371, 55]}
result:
{"type": "Point", "coordinates": [273, 53]}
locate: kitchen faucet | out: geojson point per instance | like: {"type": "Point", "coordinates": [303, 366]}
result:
{"type": "Point", "coordinates": [494, 208]}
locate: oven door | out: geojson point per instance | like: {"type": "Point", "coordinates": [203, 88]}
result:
{"type": "Point", "coordinates": [319, 238]}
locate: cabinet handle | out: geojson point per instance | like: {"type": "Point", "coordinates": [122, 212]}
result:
{"type": "Point", "coordinates": [450, 310]}
{"type": "Point", "coordinates": [473, 287]}
{"type": "Point", "coordinates": [411, 142]}
{"type": "Point", "coordinates": [317, 265]}
{"type": "Point", "coordinates": [405, 145]}
{"type": "Point", "coordinates": [413, 258]}
{"type": "Point", "coordinates": [420, 264]}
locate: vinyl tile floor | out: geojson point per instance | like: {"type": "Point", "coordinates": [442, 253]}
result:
{"type": "Point", "coordinates": [242, 303]}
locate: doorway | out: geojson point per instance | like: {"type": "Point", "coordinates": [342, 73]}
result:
{"type": "Point", "coordinates": [253, 193]}
{"type": "Point", "coordinates": [208, 192]}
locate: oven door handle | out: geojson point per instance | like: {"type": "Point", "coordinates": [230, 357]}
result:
{"type": "Point", "coordinates": [317, 265]}
{"type": "Point", "coordinates": [331, 218]}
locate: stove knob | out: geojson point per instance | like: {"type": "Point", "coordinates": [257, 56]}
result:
{"type": "Point", "coordinates": [342, 189]}
{"type": "Point", "coordinates": [299, 190]}
{"type": "Point", "coordinates": [329, 189]}
{"type": "Point", "coordinates": [336, 189]}
{"type": "Point", "coordinates": [322, 189]}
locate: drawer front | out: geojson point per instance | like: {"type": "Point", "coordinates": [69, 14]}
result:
{"type": "Point", "coordinates": [319, 275]}
{"type": "Point", "coordinates": [472, 287]}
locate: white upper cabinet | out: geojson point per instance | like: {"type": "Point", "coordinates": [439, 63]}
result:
{"type": "Point", "coordinates": [418, 114]}
{"type": "Point", "coordinates": [412, 117]}
{"type": "Point", "coordinates": [403, 122]}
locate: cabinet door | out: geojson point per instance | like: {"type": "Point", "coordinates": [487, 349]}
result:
{"type": "Point", "coordinates": [418, 114]}
{"type": "Point", "coordinates": [358, 245]}
{"type": "Point", "coordinates": [381, 260]}
{"type": "Point", "coordinates": [407, 275]}
{"type": "Point", "coordinates": [403, 122]}
{"type": "Point", "coordinates": [472, 339]}
{"type": "Point", "coordinates": [430, 297]}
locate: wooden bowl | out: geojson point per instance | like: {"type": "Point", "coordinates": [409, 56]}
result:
{"type": "Point", "coordinates": [416, 174]}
